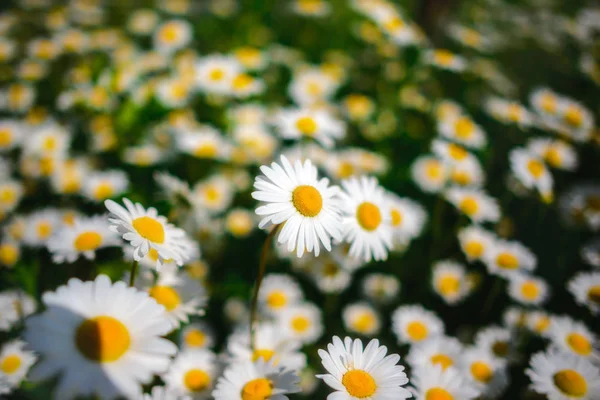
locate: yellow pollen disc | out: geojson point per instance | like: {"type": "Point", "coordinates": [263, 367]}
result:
{"type": "Point", "coordinates": [593, 293]}
{"type": "Point", "coordinates": [368, 216]}
{"type": "Point", "coordinates": [443, 360]}
{"type": "Point", "coordinates": [514, 112]}
{"type": "Point", "coordinates": [570, 383]}
{"type": "Point", "coordinates": [277, 299]}
{"type": "Point", "coordinates": [553, 156]}
{"type": "Point", "coordinates": [574, 117]}
{"type": "Point", "coordinates": [49, 143]}
{"type": "Point", "coordinates": [46, 166]}
{"type": "Point", "coordinates": [307, 200]}
{"type": "Point", "coordinates": [474, 249]}
{"type": "Point", "coordinates": [216, 74]}
{"type": "Point", "coordinates": [434, 170]}
{"type": "Point", "coordinates": [102, 339]}
{"type": "Point", "coordinates": [10, 364]}
{"type": "Point", "coordinates": [471, 38]}
{"type": "Point", "coordinates": [44, 230]}
{"type": "Point", "coordinates": [257, 389]}
{"type": "Point", "coordinates": [212, 194]}
{"type": "Point", "coordinates": [394, 24]}
{"type": "Point", "coordinates": [179, 91]}
{"type": "Point", "coordinates": [206, 150]}
{"type": "Point", "coordinates": [150, 229]}
{"type": "Point", "coordinates": [579, 344]}
{"type": "Point", "coordinates": [103, 191]}
{"type": "Point", "coordinates": [542, 324]}
{"type": "Point", "coordinates": [396, 217]}
{"type": "Point", "coordinates": [464, 128]}
{"type": "Point", "coordinates": [242, 81]}
{"type": "Point", "coordinates": [358, 105]}
{"type": "Point", "coordinates": [507, 261]}
{"type": "Point", "coordinates": [444, 57]}
{"type": "Point", "coordinates": [548, 103]}
{"type": "Point", "coordinates": [438, 393]}
{"type": "Point", "coordinates": [87, 241]}
{"type": "Point", "coordinates": [417, 330]}
{"type": "Point", "coordinates": [300, 324]}
{"type": "Point", "coordinates": [345, 169]}
{"type": "Point", "coordinates": [7, 196]}
{"type": "Point", "coordinates": [306, 125]}
{"type": "Point", "coordinates": [265, 354]}
{"type": "Point", "coordinates": [195, 338]}
{"type": "Point", "coordinates": [359, 383]}
{"type": "Point", "coordinates": [5, 137]}
{"type": "Point", "coordinates": [364, 322]}
{"type": "Point", "coordinates": [456, 152]}
{"type": "Point", "coordinates": [481, 372]}
{"type": "Point", "coordinates": [530, 290]}
{"type": "Point", "coordinates": [8, 254]}
{"type": "Point", "coordinates": [500, 348]}
{"type": "Point", "coordinates": [169, 33]}
{"type": "Point", "coordinates": [535, 168]}
{"type": "Point", "coordinates": [196, 380]}
{"type": "Point", "coordinates": [314, 89]}
{"type": "Point", "coordinates": [166, 296]}
{"type": "Point", "coordinates": [469, 206]}
{"type": "Point", "coordinates": [461, 177]}
{"type": "Point", "coordinates": [449, 285]}
{"type": "Point", "coordinates": [330, 269]}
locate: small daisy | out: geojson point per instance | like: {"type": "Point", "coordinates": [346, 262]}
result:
{"type": "Point", "coordinates": [556, 153]}
{"type": "Point", "coordinates": [527, 289]}
{"type": "Point", "coordinates": [205, 142]}
{"type": "Point", "coordinates": [11, 134]}
{"type": "Point", "coordinates": [315, 124]}
{"type": "Point", "coordinates": [474, 203]}
{"type": "Point", "coordinates": [103, 339]}
{"type": "Point", "coordinates": [173, 92]}
{"type": "Point", "coordinates": [576, 121]}
{"type": "Point", "coordinates": [475, 242]}
{"type": "Point", "coordinates": [463, 130]}
{"type": "Point", "coordinates": [515, 317]}
{"type": "Point", "coordinates": [256, 380]}
{"type": "Point", "coordinates": [15, 362]}
{"type": "Point", "coordinates": [585, 287]}
{"type": "Point", "coordinates": [172, 35]}
{"type": "Point", "coordinates": [366, 220]}
{"type": "Point", "coordinates": [467, 173]}
{"type": "Point", "coordinates": [213, 195]}
{"type": "Point", "coordinates": [278, 292]}
{"type": "Point", "coordinates": [540, 323]}
{"type": "Point", "coordinates": [240, 222]}
{"type": "Point", "coordinates": [544, 102]}
{"type": "Point", "coordinates": [355, 372]}
{"type": "Point", "coordinates": [435, 383]}
{"type": "Point", "coordinates": [451, 153]}
{"type": "Point", "coordinates": [358, 107]}
{"type": "Point", "coordinates": [485, 371]}
{"type": "Point", "coordinates": [306, 206]}
{"type": "Point", "coordinates": [531, 172]}
{"type": "Point", "coordinates": [10, 253]}
{"type": "Point", "coordinates": [17, 97]}
{"type": "Point", "coordinates": [311, 86]}
{"type": "Point", "coordinates": [145, 230]}
{"type": "Point", "coordinates": [11, 193]}
{"type": "Point", "coordinates": [445, 59]}
{"type": "Point", "coordinates": [414, 324]}
{"type": "Point", "coordinates": [430, 174]}
{"type": "Point", "coordinates": [40, 226]}
{"type": "Point", "coordinates": [101, 185]}
{"type": "Point", "coordinates": [509, 112]}
{"type": "Point", "coordinates": [142, 21]}
{"type": "Point", "coordinates": [505, 258]}
{"type": "Point", "coordinates": [361, 318]}
{"type": "Point", "coordinates": [381, 288]}
{"type": "Point", "coordinates": [302, 322]}
{"type": "Point", "coordinates": [192, 374]}
{"type": "Point", "coordinates": [573, 337]}
{"type": "Point", "coordinates": [449, 281]}
{"type": "Point", "coordinates": [562, 376]}
{"type": "Point", "coordinates": [497, 341]}
{"type": "Point", "coordinates": [330, 274]}
{"type": "Point", "coordinates": [215, 73]}
{"type": "Point", "coordinates": [196, 336]}
{"type": "Point", "coordinates": [407, 219]}
{"type": "Point", "coordinates": [443, 351]}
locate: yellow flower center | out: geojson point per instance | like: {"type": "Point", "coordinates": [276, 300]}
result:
{"type": "Point", "coordinates": [196, 380]}
{"type": "Point", "coordinates": [206, 150]}
{"type": "Point", "coordinates": [481, 372]}
{"type": "Point", "coordinates": [345, 169]}
{"type": "Point", "coordinates": [579, 344]}
{"type": "Point", "coordinates": [87, 241]}
{"type": "Point", "coordinates": [438, 393]}
{"type": "Point", "coordinates": [474, 249]}
{"type": "Point", "coordinates": [10, 364]}
{"type": "Point", "coordinates": [449, 285]}
{"type": "Point", "coordinates": [44, 230]}
{"type": "Point", "coordinates": [265, 354]}
{"type": "Point", "coordinates": [535, 168]}
{"type": "Point", "coordinates": [471, 38]}
{"type": "Point", "coordinates": [16, 94]}
{"type": "Point", "coordinates": [443, 360]}
{"type": "Point", "coordinates": [514, 112]}
{"type": "Point", "coordinates": [166, 296]}
{"type": "Point", "coordinates": [570, 383]}
{"type": "Point", "coordinates": [307, 200]}
{"type": "Point", "coordinates": [574, 117]}
{"type": "Point", "coordinates": [5, 137]}
{"type": "Point", "coordinates": [103, 191]}
{"type": "Point", "coordinates": [469, 206]}
{"type": "Point", "coordinates": [548, 103]}
{"type": "Point", "coordinates": [359, 383]}
{"type": "Point", "coordinates": [150, 229]}
{"type": "Point", "coordinates": [102, 339]}
{"type": "Point", "coordinates": [358, 105]}
{"type": "Point", "coordinates": [8, 254]}
{"type": "Point", "coordinates": [461, 177]}
{"type": "Point", "coordinates": [169, 33]}
{"type": "Point", "coordinates": [330, 269]}
{"type": "Point", "coordinates": [396, 217]}
{"type": "Point", "coordinates": [530, 290]}
{"type": "Point", "coordinates": [394, 24]}
{"type": "Point", "coordinates": [417, 330]}
{"type": "Point", "coordinates": [314, 88]}
{"type": "Point", "coordinates": [507, 261]}
{"type": "Point", "coordinates": [300, 324]}
{"type": "Point", "coordinates": [456, 152]}
{"type": "Point", "coordinates": [242, 81]}
{"type": "Point", "coordinates": [500, 348]}
{"type": "Point", "coordinates": [307, 126]}
{"type": "Point", "coordinates": [195, 338]}
{"type": "Point", "coordinates": [444, 57]}
{"type": "Point", "coordinates": [179, 91]}
{"type": "Point", "coordinates": [277, 299]}
{"type": "Point", "coordinates": [216, 74]}
{"type": "Point", "coordinates": [464, 128]}
{"type": "Point", "coordinates": [368, 216]}
{"type": "Point", "coordinates": [593, 292]}
{"type": "Point", "coordinates": [542, 324]}
{"type": "Point", "coordinates": [364, 322]}
{"type": "Point", "coordinates": [7, 195]}
{"type": "Point", "coordinates": [553, 156]}
{"type": "Point", "coordinates": [248, 56]}
{"type": "Point", "coordinates": [434, 170]}
{"type": "Point", "coordinates": [257, 389]}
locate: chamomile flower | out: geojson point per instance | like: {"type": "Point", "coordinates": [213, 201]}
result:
{"type": "Point", "coordinates": [329, 273]}
{"type": "Point", "coordinates": [366, 219]}
{"type": "Point", "coordinates": [449, 281]}
{"type": "Point", "coordinates": [361, 318]}
{"type": "Point", "coordinates": [256, 380]}
{"type": "Point", "coordinates": [561, 376]}
{"type": "Point", "coordinates": [474, 203]}
{"type": "Point", "coordinates": [240, 222]}
{"type": "Point", "coordinates": [545, 102]}
{"type": "Point", "coordinates": [192, 374]}
{"type": "Point", "coordinates": [212, 195]}
{"type": "Point", "coordinates": [515, 317]}
{"type": "Point", "coordinates": [496, 341]}
{"type": "Point", "coordinates": [445, 59]}
{"type": "Point", "coordinates": [145, 230]}
{"type": "Point", "coordinates": [215, 73]}
{"type": "Point", "coordinates": [15, 362]}
{"type": "Point", "coordinates": [196, 336]}
{"type": "Point", "coordinates": [315, 124]}
{"type": "Point", "coordinates": [11, 193]}
{"type": "Point", "coordinates": [573, 337]}
{"type": "Point", "coordinates": [11, 134]}
{"type": "Point", "coordinates": [311, 86]}
{"type": "Point", "coordinates": [585, 287]}
{"type": "Point", "coordinates": [509, 112]}
{"type": "Point", "coordinates": [443, 351]}
{"type": "Point", "coordinates": [527, 289]}
{"type": "Point", "coordinates": [306, 206]}
{"type": "Point", "coordinates": [103, 338]}
{"type": "Point", "coordinates": [531, 172]}
{"type": "Point", "coordinates": [438, 383]}
{"type": "Point", "coordinates": [172, 36]}
{"type": "Point", "coordinates": [414, 324]}
{"type": "Point", "coordinates": [380, 288]}
{"type": "Point", "coordinates": [475, 242]}
{"type": "Point", "coordinates": [486, 372]}
{"type": "Point", "coordinates": [173, 92]}
{"type": "Point", "coordinates": [83, 238]}
{"type": "Point", "coordinates": [463, 130]}
{"type": "Point", "coordinates": [101, 185]}
{"type": "Point", "coordinates": [363, 373]}
{"type": "Point", "coordinates": [505, 258]}
{"type": "Point", "coordinates": [205, 142]}
{"type": "Point", "coordinates": [40, 226]}
{"type": "Point", "coordinates": [576, 121]}
{"type": "Point", "coordinates": [17, 97]}
{"type": "Point", "coordinates": [407, 219]}
{"type": "Point", "coordinates": [556, 153]}
{"type": "Point", "coordinates": [10, 253]}
{"type": "Point", "coordinates": [302, 322]}
{"type": "Point", "coordinates": [451, 153]}
{"type": "Point", "coordinates": [278, 292]}
{"type": "Point", "coordinates": [429, 173]}
{"type": "Point", "coordinates": [142, 21]}
{"type": "Point", "coordinates": [539, 322]}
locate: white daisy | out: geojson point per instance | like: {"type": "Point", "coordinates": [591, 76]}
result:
{"type": "Point", "coordinates": [101, 185]}
{"type": "Point", "coordinates": [505, 258]}
{"type": "Point", "coordinates": [213, 195]}
{"type": "Point", "coordinates": [449, 281]}
{"type": "Point", "coordinates": [196, 336]}
{"type": "Point", "coordinates": [509, 112]}
{"type": "Point", "coordinates": [475, 242]}
{"type": "Point", "coordinates": [442, 350]}
{"type": "Point", "coordinates": [573, 337]}
{"type": "Point", "coordinates": [435, 383]}
{"type": "Point", "coordinates": [302, 322]}
{"type": "Point", "coordinates": [192, 374]}
{"type": "Point", "coordinates": [496, 341]}
{"type": "Point", "coordinates": [172, 35]}
{"type": "Point", "coordinates": [40, 226]}
{"type": "Point", "coordinates": [381, 288]}
{"type": "Point", "coordinates": [429, 173]}
{"type": "Point", "coordinates": [555, 152]}
{"type": "Point", "coordinates": [103, 338]}
{"type": "Point", "coordinates": [485, 371]}
{"type": "Point", "coordinates": [278, 292]}
{"type": "Point", "coordinates": [15, 362]}
{"type": "Point", "coordinates": [585, 287]}
{"type": "Point", "coordinates": [357, 373]}
{"type": "Point", "coordinates": [531, 172]}
{"type": "Point", "coordinates": [11, 134]}
{"type": "Point", "coordinates": [316, 124]}
{"type": "Point", "coordinates": [306, 207]}
{"type": "Point", "coordinates": [539, 322]}
{"type": "Point", "coordinates": [407, 219]}
{"type": "Point", "coordinates": [361, 318]}
{"type": "Point", "coordinates": [414, 324]}
{"type": "Point", "coordinates": [215, 73]}
{"type": "Point", "coordinates": [463, 130]}
{"type": "Point", "coordinates": [10, 253]}
{"type": "Point", "coordinates": [527, 289]}
{"type": "Point", "coordinates": [474, 203]}
{"type": "Point", "coordinates": [445, 59]}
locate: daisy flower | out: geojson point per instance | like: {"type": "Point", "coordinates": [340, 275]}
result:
{"type": "Point", "coordinates": [414, 324]}
{"type": "Point", "coordinates": [555, 152]}
{"type": "Point", "coordinates": [366, 219]}
{"type": "Point", "coordinates": [449, 281]}
{"type": "Point", "coordinates": [142, 21]}
{"type": "Point", "coordinates": [451, 153]}
{"type": "Point", "coordinates": [172, 35]}
{"type": "Point", "coordinates": [445, 59]}
{"type": "Point", "coordinates": [497, 341]}
{"type": "Point", "coordinates": [215, 73]}
{"type": "Point", "coordinates": [302, 322]}
{"type": "Point", "coordinates": [561, 376]}
{"type": "Point", "coordinates": [463, 130]}
{"type": "Point", "coordinates": [103, 339]}
{"type": "Point", "coordinates": [240, 222]}
{"type": "Point", "coordinates": [361, 318]}
{"type": "Point", "coordinates": [486, 372]}
{"type": "Point", "coordinates": [213, 195]}
{"type": "Point", "coordinates": [316, 124]}
{"type": "Point", "coordinates": [363, 373]}
{"type": "Point", "coordinates": [429, 173]}
{"type": "Point", "coordinates": [329, 275]}
{"type": "Point", "coordinates": [196, 336]}
{"type": "Point", "coordinates": [145, 230]}
{"type": "Point", "coordinates": [509, 112]}
{"type": "Point", "coordinates": [576, 121]}
{"type": "Point", "coordinates": [515, 317]}
{"type": "Point", "coordinates": [539, 322]}
{"type": "Point", "coordinates": [380, 288]}
{"type": "Point", "coordinates": [307, 207]}
{"type": "Point", "coordinates": [438, 383]}
{"type": "Point", "coordinates": [311, 86]}
{"type": "Point", "coordinates": [205, 142]}
{"type": "Point", "coordinates": [10, 253]}
{"type": "Point", "coordinates": [527, 289]}
{"type": "Point", "coordinates": [101, 185]}
{"type": "Point", "coordinates": [531, 172]}
{"type": "Point", "coordinates": [585, 287]}
{"type": "Point", "coordinates": [467, 173]}
{"type": "Point", "coordinates": [573, 337]}
{"type": "Point", "coordinates": [256, 380]}
{"type": "Point", "coordinates": [505, 258]}
{"type": "Point", "coordinates": [442, 350]}
{"type": "Point", "coordinates": [407, 219]}
{"type": "Point", "coordinates": [278, 292]}
{"type": "Point", "coordinates": [40, 226]}
{"type": "Point", "coordinates": [544, 102]}
{"type": "Point", "coordinates": [474, 203]}
{"type": "Point", "coordinates": [475, 242]}
{"type": "Point", "coordinates": [15, 362]}
{"type": "Point", "coordinates": [358, 107]}
{"type": "Point", "coordinates": [11, 134]}
{"type": "Point", "coordinates": [11, 193]}
{"type": "Point", "coordinates": [192, 374]}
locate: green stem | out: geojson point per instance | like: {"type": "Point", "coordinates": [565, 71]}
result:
{"type": "Point", "coordinates": [133, 273]}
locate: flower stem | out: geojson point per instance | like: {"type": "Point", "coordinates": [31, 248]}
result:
{"type": "Point", "coordinates": [133, 273]}
{"type": "Point", "coordinates": [261, 274]}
